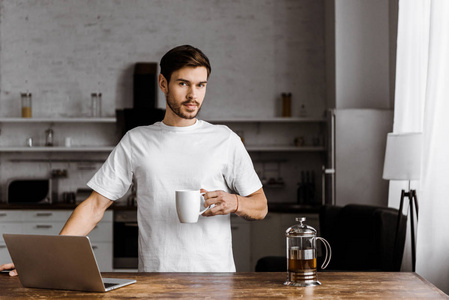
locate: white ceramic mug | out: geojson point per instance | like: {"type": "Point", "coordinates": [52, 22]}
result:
{"type": "Point", "coordinates": [188, 205]}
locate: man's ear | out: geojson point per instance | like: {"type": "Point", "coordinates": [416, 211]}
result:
{"type": "Point", "coordinates": [163, 84]}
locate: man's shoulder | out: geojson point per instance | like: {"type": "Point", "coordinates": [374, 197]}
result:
{"type": "Point", "coordinates": [139, 134]}
{"type": "Point", "coordinates": [219, 132]}
{"type": "Point", "coordinates": [144, 129]}
{"type": "Point", "coordinates": [215, 127]}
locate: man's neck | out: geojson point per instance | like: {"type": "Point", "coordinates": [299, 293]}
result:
{"type": "Point", "coordinates": [178, 122]}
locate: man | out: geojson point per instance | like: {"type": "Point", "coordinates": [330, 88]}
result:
{"type": "Point", "coordinates": [181, 152]}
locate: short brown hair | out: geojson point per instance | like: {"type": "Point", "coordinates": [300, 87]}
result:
{"type": "Point", "coordinates": [183, 56]}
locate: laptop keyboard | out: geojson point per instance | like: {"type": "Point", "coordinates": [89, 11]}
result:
{"type": "Point", "coordinates": [108, 285]}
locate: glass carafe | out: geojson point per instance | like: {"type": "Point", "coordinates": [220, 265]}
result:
{"type": "Point", "coordinates": [302, 254]}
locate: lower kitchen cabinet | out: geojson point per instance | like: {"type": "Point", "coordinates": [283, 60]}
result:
{"type": "Point", "coordinates": [267, 238]}
{"type": "Point", "coordinates": [251, 240]}
{"type": "Point", "coordinates": [241, 232]}
{"type": "Point", "coordinates": [50, 222]}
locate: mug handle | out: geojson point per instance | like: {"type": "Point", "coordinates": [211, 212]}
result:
{"type": "Point", "coordinates": [207, 208]}
{"type": "Point", "coordinates": [327, 259]}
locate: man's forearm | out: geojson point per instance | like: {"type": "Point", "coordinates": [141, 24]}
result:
{"type": "Point", "coordinates": [80, 222]}
{"type": "Point", "coordinates": [252, 207]}
{"type": "Point", "coordinates": [86, 216]}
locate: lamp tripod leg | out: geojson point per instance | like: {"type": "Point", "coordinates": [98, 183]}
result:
{"type": "Point", "coordinates": [398, 226]}
{"type": "Point", "coordinates": [415, 198]}
{"type": "Point", "coordinates": [412, 203]}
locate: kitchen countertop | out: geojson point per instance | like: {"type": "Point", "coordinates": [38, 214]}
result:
{"type": "Point", "coordinates": [55, 206]}
{"type": "Point", "coordinates": [272, 207]}
{"type": "Point", "coordinates": [335, 285]}
{"type": "Point", "coordinates": [37, 206]}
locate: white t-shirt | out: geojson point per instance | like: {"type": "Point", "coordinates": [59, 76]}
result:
{"type": "Point", "coordinates": [164, 159]}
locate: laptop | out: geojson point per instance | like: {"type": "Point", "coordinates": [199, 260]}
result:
{"type": "Point", "coordinates": [58, 262]}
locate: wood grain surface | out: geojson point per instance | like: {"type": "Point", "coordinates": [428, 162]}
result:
{"type": "Point", "coordinates": [335, 285]}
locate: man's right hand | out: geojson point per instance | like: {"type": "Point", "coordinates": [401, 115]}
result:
{"type": "Point", "coordinates": [10, 266]}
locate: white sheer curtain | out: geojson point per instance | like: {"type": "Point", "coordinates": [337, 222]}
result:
{"type": "Point", "coordinates": [422, 104]}
{"type": "Point", "coordinates": [411, 77]}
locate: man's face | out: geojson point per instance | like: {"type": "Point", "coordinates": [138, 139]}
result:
{"type": "Point", "coordinates": [185, 92]}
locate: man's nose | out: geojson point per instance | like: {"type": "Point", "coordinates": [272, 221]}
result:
{"type": "Point", "coordinates": [192, 94]}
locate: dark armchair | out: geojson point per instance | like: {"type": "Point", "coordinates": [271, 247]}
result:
{"type": "Point", "coordinates": [362, 237]}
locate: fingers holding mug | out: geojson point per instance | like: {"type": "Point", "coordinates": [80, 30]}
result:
{"type": "Point", "coordinates": [209, 202]}
{"type": "Point", "coordinates": [224, 203]}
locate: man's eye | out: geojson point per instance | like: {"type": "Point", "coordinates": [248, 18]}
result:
{"type": "Point", "coordinates": [183, 84]}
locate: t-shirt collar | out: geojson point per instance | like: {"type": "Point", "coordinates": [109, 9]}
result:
{"type": "Point", "coordinates": [181, 128]}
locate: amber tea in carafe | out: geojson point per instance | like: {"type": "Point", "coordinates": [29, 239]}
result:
{"type": "Point", "coordinates": [301, 260]}
{"type": "Point", "coordinates": [301, 255]}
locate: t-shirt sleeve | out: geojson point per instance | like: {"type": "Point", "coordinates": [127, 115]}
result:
{"type": "Point", "coordinates": [114, 177]}
{"type": "Point", "coordinates": [240, 174]}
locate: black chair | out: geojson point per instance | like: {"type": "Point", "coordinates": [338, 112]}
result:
{"type": "Point", "coordinates": [272, 264]}
{"type": "Point", "coordinates": [362, 237]}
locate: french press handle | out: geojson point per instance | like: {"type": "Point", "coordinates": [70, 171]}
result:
{"type": "Point", "coordinates": [328, 256]}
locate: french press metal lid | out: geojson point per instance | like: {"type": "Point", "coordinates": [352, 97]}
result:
{"type": "Point", "coordinates": [300, 229]}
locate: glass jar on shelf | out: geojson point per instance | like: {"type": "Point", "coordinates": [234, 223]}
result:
{"type": "Point", "coordinates": [26, 105]}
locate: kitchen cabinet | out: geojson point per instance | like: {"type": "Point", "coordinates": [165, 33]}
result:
{"type": "Point", "coordinates": [241, 247]}
{"type": "Point", "coordinates": [267, 238]}
{"type": "Point", "coordinates": [50, 222]}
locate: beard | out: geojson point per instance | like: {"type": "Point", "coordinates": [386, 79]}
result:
{"type": "Point", "coordinates": [177, 108]}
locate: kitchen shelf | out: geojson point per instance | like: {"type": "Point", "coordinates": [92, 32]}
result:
{"type": "Point", "coordinates": [284, 149]}
{"type": "Point", "coordinates": [58, 149]}
{"type": "Point", "coordinates": [58, 120]}
{"type": "Point", "coordinates": [270, 120]}
{"type": "Point", "coordinates": [110, 148]}
{"type": "Point", "coordinates": [274, 186]}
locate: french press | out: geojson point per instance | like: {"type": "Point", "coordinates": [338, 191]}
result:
{"type": "Point", "coordinates": [302, 254]}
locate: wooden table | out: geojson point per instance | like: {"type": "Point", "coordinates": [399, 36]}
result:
{"type": "Point", "coordinates": [335, 285]}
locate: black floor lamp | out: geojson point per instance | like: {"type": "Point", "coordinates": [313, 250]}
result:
{"type": "Point", "coordinates": [403, 162]}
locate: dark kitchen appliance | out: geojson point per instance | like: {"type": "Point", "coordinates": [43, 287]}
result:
{"type": "Point", "coordinates": [126, 234]}
{"type": "Point", "coordinates": [29, 191]}
{"type": "Point", "coordinates": [144, 111]}
{"type": "Point", "coordinates": [145, 85]}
